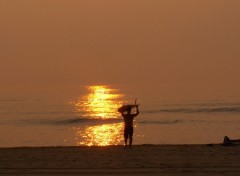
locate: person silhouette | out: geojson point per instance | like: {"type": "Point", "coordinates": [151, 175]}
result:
{"type": "Point", "coordinates": [128, 124]}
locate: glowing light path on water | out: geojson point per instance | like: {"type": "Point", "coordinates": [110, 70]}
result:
{"type": "Point", "coordinates": [101, 102]}
{"type": "Point", "coordinates": [101, 135]}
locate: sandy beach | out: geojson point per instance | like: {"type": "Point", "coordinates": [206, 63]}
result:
{"type": "Point", "coordinates": [117, 160]}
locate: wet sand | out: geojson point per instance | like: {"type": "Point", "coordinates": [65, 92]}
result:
{"type": "Point", "coordinates": [116, 160]}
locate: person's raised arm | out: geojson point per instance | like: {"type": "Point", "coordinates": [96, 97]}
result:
{"type": "Point", "coordinates": [137, 110]}
{"type": "Point", "coordinates": [123, 115]}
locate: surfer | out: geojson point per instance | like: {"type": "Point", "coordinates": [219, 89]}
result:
{"type": "Point", "coordinates": [128, 122]}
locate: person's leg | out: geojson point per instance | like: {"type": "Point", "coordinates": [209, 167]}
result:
{"type": "Point", "coordinates": [130, 137]}
{"type": "Point", "coordinates": [125, 141]}
{"type": "Point", "coordinates": [130, 141]}
{"type": "Point", "coordinates": [125, 137]}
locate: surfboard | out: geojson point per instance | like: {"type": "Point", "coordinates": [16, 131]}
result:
{"type": "Point", "coordinates": [124, 108]}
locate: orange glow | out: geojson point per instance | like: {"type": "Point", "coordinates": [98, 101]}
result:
{"type": "Point", "coordinates": [100, 135]}
{"type": "Point", "coordinates": [100, 102]}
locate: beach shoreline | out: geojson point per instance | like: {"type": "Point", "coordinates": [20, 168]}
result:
{"type": "Point", "coordinates": [147, 159]}
{"type": "Point", "coordinates": [111, 146]}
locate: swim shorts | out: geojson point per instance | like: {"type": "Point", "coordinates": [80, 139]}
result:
{"type": "Point", "coordinates": [128, 132]}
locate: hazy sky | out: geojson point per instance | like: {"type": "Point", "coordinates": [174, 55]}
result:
{"type": "Point", "coordinates": [194, 42]}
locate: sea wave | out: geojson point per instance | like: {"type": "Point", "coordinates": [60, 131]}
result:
{"type": "Point", "coordinates": [88, 120]}
{"type": "Point", "coordinates": [161, 122]}
{"type": "Point", "coordinates": [196, 110]}
{"type": "Point", "coordinates": [71, 121]}
{"type": "Point", "coordinates": [78, 121]}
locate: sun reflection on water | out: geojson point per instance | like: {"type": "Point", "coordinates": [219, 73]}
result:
{"type": "Point", "coordinates": [101, 135]}
{"type": "Point", "coordinates": [101, 102]}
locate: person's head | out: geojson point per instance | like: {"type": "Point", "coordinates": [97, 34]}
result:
{"type": "Point", "coordinates": [129, 110]}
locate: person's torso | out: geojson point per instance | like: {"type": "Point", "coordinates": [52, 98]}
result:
{"type": "Point", "coordinates": [128, 120]}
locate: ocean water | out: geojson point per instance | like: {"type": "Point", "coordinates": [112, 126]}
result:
{"type": "Point", "coordinates": [87, 115]}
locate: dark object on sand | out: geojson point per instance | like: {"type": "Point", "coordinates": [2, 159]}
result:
{"type": "Point", "coordinates": [228, 141]}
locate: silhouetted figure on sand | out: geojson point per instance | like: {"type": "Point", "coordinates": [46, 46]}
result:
{"type": "Point", "coordinates": [128, 121]}
{"type": "Point", "coordinates": [228, 141]}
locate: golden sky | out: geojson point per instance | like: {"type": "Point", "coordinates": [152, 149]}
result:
{"type": "Point", "coordinates": [81, 42]}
